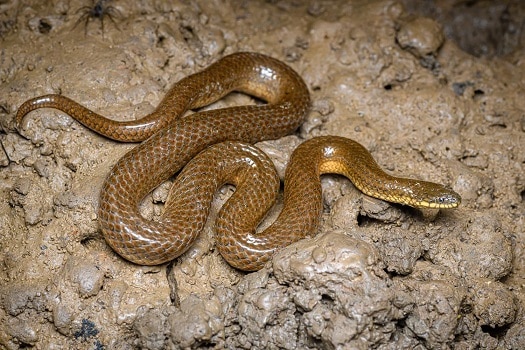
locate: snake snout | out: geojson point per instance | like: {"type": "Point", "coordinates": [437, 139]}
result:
{"type": "Point", "coordinates": [444, 199]}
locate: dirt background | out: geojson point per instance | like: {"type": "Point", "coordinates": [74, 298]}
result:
{"type": "Point", "coordinates": [434, 90]}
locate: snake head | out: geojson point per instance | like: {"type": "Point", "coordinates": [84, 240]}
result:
{"type": "Point", "coordinates": [432, 195]}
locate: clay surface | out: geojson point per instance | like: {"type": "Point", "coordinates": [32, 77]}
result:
{"type": "Point", "coordinates": [409, 83]}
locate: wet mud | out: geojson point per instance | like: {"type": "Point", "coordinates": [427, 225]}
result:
{"type": "Point", "coordinates": [432, 94]}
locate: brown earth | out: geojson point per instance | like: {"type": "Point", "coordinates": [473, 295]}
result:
{"type": "Point", "coordinates": [438, 98]}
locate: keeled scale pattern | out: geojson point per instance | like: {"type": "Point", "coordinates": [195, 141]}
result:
{"type": "Point", "coordinates": [172, 141]}
{"type": "Point", "coordinates": [245, 249]}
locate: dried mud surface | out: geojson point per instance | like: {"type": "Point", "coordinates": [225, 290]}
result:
{"type": "Point", "coordinates": [376, 276]}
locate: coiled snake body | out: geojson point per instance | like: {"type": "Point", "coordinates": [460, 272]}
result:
{"type": "Point", "coordinates": [171, 141]}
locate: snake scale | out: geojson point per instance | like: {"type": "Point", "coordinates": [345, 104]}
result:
{"type": "Point", "coordinates": [171, 140]}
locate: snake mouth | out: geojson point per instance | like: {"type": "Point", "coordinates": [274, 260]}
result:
{"type": "Point", "coordinates": [447, 201]}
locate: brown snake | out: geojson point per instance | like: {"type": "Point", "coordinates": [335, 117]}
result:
{"type": "Point", "coordinates": [173, 140]}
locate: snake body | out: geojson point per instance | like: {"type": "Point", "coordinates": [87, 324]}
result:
{"type": "Point", "coordinates": [172, 140]}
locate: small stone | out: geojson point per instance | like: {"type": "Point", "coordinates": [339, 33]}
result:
{"type": "Point", "coordinates": [421, 36]}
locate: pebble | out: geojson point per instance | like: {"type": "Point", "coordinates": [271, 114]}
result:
{"type": "Point", "coordinates": [421, 36]}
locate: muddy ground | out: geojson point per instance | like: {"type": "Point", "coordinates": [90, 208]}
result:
{"type": "Point", "coordinates": [435, 92]}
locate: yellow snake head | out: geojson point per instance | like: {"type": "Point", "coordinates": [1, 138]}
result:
{"type": "Point", "coordinates": [425, 194]}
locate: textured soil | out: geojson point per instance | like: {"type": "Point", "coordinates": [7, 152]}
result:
{"type": "Point", "coordinates": [434, 92]}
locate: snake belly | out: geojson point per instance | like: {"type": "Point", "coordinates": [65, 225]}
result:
{"type": "Point", "coordinates": [173, 140]}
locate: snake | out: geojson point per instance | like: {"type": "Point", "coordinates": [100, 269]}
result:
{"type": "Point", "coordinates": [214, 148]}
